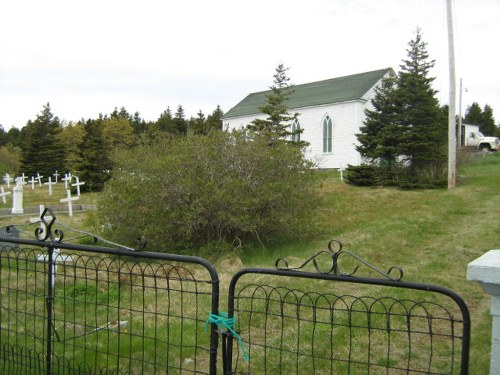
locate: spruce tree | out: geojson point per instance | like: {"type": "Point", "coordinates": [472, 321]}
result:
{"type": "Point", "coordinates": [42, 149]}
{"type": "Point", "coordinates": [278, 125]}
{"type": "Point", "coordinates": [214, 121]}
{"type": "Point", "coordinates": [406, 132]}
{"type": "Point", "coordinates": [423, 136]}
{"type": "Point", "coordinates": [379, 136]}
{"type": "Point", "coordinates": [473, 114]}
{"type": "Point", "coordinates": [95, 162]}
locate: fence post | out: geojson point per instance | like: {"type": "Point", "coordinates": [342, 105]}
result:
{"type": "Point", "coordinates": [49, 300]}
{"type": "Point", "coordinates": [486, 271]}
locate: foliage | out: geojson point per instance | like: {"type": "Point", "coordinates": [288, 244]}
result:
{"type": "Point", "coordinates": [405, 135]}
{"type": "Point", "coordinates": [42, 150]}
{"type": "Point", "coordinates": [72, 138]}
{"type": "Point", "coordinates": [94, 156]}
{"type": "Point", "coordinates": [277, 126]}
{"type": "Point", "coordinates": [484, 118]}
{"type": "Point", "coordinates": [362, 175]}
{"type": "Point", "coordinates": [9, 160]}
{"type": "Point", "coordinates": [191, 192]}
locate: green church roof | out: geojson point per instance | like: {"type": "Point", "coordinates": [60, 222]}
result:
{"type": "Point", "coordinates": [335, 90]}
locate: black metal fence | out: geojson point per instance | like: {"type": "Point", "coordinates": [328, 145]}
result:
{"type": "Point", "coordinates": [85, 309]}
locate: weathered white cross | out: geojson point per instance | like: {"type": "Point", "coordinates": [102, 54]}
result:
{"type": "Point", "coordinates": [32, 182]}
{"type": "Point", "coordinates": [78, 184]}
{"type": "Point", "coordinates": [7, 179]}
{"type": "Point", "coordinates": [3, 194]}
{"type": "Point", "coordinates": [50, 183]}
{"type": "Point", "coordinates": [69, 200]}
{"type": "Point", "coordinates": [67, 179]}
{"type": "Point", "coordinates": [55, 175]}
{"type": "Point", "coordinates": [39, 178]}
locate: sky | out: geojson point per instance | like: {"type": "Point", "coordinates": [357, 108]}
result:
{"type": "Point", "coordinates": [88, 57]}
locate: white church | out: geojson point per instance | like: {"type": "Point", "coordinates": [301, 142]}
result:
{"type": "Point", "coordinates": [331, 113]}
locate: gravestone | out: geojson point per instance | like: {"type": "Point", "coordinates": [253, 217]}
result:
{"type": "Point", "coordinates": [17, 197]}
{"type": "Point", "coordinates": [7, 179]}
{"type": "Point", "coordinates": [12, 232]}
{"type": "Point", "coordinates": [32, 182]}
{"type": "Point", "coordinates": [50, 183]}
{"type": "Point", "coordinates": [69, 200]}
{"type": "Point", "coordinates": [67, 180]}
{"type": "Point", "coordinates": [56, 175]}
{"type": "Point", "coordinates": [39, 179]}
{"type": "Point", "coordinates": [78, 184]}
{"type": "Point", "coordinates": [3, 194]}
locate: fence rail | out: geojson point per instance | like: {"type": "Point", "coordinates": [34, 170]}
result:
{"type": "Point", "coordinates": [69, 308]}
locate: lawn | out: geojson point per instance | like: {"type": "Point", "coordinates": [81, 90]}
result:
{"type": "Point", "coordinates": [431, 234]}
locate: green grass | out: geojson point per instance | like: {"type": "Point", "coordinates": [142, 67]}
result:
{"type": "Point", "coordinates": [431, 234]}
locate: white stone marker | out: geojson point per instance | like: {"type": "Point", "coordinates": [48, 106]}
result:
{"type": "Point", "coordinates": [486, 271]}
{"type": "Point", "coordinates": [17, 197]}
{"type": "Point", "coordinates": [69, 200]}
{"type": "Point", "coordinates": [55, 175]}
{"type": "Point", "coordinates": [7, 179]}
{"type": "Point", "coordinates": [78, 184]}
{"type": "Point", "coordinates": [32, 182]}
{"type": "Point", "coordinates": [39, 178]}
{"type": "Point", "coordinates": [50, 183]}
{"type": "Point", "coordinates": [3, 194]}
{"type": "Point", "coordinates": [341, 169]}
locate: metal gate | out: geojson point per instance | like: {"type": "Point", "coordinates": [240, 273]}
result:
{"type": "Point", "coordinates": [69, 308]}
{"type": "Point", "coordinates": [291, 321]}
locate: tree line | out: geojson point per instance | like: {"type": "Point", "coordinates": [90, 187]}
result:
{"type": "Point", "coordinates": [47, 144]}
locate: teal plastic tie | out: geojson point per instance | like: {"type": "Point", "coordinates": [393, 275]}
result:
{"type": "Point", "coordinates": [222, 320]}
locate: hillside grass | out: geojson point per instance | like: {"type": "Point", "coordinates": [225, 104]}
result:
{"type": "Point", "coordinates": [431, 234]}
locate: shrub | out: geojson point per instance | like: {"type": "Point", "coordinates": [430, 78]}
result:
{"type": "Point", "coordinates": [362, 175]}
{"type": "Point", "coordinates": [191, 192]}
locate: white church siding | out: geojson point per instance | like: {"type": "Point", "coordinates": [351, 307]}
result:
{"type": "Point", "coordinates": [347, 115]}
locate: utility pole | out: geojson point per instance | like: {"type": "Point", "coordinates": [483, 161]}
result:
{"type": "Point", "coordinates": [452, 142]}
{"type": "Point", "coordinates": [459, 130]}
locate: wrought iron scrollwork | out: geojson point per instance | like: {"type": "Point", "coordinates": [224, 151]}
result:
{"type": "Point", "coordinates": [45, 231]}
{"type": "Point", "coordinates": [333, 254]}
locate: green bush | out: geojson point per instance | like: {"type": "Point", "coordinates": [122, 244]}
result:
{"type": "Point", "coordinates": [196, 191]}
{"type": "Point", "coordinates": [362, 175]}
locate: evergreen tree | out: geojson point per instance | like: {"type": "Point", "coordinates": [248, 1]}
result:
{"type": "Point", "coordinates": [42, 149]}
{"type": "Point", "coordinates": [484, 118]}
{"type": "Point", "coordinates": [473, 114]}
{"type": "Point", "coordinates": [179, 121]}
{"type": "Point", "coordinates": [488, 126]}
{"type": "Point", "coordinates": [407, 128]}
{"type": "Point", "coordinates": [164, 122]}
{"type": "Point", "coordinates": [95, 162]}
{"type": "Point", "coordinates": [379, 136]}
{"type": "Point", "coordinates": [214, 121]}
{"type": "Point", "coordinates": [424, 133]}
{"type": "Point", "coordinates": [277, 126]}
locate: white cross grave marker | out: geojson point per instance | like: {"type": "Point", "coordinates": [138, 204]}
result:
{"type": "Point", "coordinates": [55, 175]}
{"type": "Point", "coordinates": [3, 194]}
{"type": "Point", "coordinates": [69, 200]}
{"type": "Point", "coordinates": [78, 184]}
{"type": "Point", "coordinates": [50, 183]}
{"type": "Point", "coordinates": [7, 179]}
{"type": "Point", "coordinates": [23, 179]}
{"type": "Point", "coordinates": [32, 182]}
{"type": "Point", "coordinates": [67, 179]}
{"type": "Point", "coordinates": [39, 178]}
{"type": "Point", "coordinates": [341, 169]}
